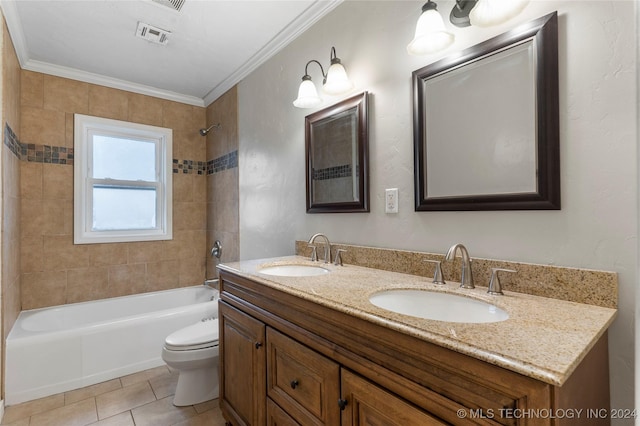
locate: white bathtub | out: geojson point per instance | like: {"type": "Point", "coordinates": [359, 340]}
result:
{"type": "Point", "coordinates": [56, 349]}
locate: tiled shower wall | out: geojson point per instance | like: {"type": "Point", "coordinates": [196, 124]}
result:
{"type": "Point", "coordinates": [222, 179]}
{"type": "Point", "coordinates": [10, 191]}
{"type": "Point", "coordinates": [54, 270]}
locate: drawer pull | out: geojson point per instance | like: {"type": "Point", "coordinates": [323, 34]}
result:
{"type": "Point", "coordinates": [258, 345]}
{"type": "Point", "coordinates": [294, 384]}
{"type": "Point", "coordinates": [342, 403]}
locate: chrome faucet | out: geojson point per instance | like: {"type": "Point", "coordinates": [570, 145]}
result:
{"type": "Point", "coordinates": [467, 276]}
{"type": "Point", "coordinates": [327, 246]}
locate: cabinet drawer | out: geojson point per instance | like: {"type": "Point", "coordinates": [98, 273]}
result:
{"type": "Point", "coordinates": [277, 417]}
{"type": "Point", "coordinates": [302, 382]}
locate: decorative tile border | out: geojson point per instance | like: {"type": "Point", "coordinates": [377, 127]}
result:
{"type": "Point", "coordinates": [63, 155]}
{"type": "Point", "coordinates": [224, 162]}
{"type": "Point", "coordinates": [11, 141]}
{"type": "Point", "coordinates": [332, 172]}
{"type": "Point", "coordinates": [189, 167]}
{"type": "Point", "coordinates": [36, 153]}
{"type": "Point", "coordinates": [586, 286]}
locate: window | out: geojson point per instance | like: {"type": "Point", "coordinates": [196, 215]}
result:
{"type": "Point", "coordinates": [122, 181]}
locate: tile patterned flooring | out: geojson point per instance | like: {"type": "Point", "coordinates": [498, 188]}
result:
{"type": "Point", "coordinates": [140, 399]}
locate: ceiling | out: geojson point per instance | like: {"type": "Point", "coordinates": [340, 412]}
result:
{"type": "Point", "coordinates": [212, 44]}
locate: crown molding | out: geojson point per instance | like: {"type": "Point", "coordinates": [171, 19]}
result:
{"type": "Point", "coordinates": [305, 20]}
{"type": "Point", "coordinates": [88, 77]}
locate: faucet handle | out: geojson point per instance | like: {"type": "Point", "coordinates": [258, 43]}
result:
{"type": "Point", "coordinates": [438, 277]}
{"type": "Point", "coordinates": [338, 259]}
{"type": "Point", "coordinates": [495, 288]}
{"type": "Point", "coordinates": [314, 253]}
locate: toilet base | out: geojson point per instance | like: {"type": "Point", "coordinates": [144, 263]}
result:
{"type": "Point", "coordinates": [196, 386]}
{"type": "Point", "coordinates": [197, 374]}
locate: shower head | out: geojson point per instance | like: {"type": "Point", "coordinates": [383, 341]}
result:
{"type": "Point", "coordinates": [203, 132]}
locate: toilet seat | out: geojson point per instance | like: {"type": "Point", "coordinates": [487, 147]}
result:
{"type": "Point", "coordinates": [203, 334]}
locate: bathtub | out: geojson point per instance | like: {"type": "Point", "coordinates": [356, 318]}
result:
{"type": "Point", "coordinates": [60, 348]}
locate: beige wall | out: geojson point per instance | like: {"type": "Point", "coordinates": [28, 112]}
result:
{"type": "Point", "coordinates": [54, 270]}
{"type": "Point", "coordinates": [10, 191]}
{"type": "Point", "coordinates": [222, 181]}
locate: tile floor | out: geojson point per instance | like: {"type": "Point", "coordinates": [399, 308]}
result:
{"type": "Point", "coordinates": [140, 399]}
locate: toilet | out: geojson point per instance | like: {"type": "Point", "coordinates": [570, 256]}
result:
{"type": "Point", "coordinates": [193, 352]}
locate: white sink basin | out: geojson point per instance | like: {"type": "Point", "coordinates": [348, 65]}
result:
{"type": "Point", "coordinates": [294, 270]}
{"type": "Point", "coordinates": [438, 306]}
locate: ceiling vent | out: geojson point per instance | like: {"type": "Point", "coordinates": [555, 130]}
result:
{"type": "Point", "coordinates": [172, 4]}
{"type": "Point", "coordinates": [152, 34]}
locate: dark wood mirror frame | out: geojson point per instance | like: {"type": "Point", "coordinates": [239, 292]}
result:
{"type": "Point", "coordinates": [359, 105]}
{"type": "Point", "coordinates": [544, 33]}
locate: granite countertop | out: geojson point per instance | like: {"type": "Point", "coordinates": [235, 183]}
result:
{"type": "Point", "coordinates": [543, 338]}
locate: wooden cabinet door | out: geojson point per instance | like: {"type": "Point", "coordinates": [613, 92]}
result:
{"type": "Point", "coordinates": [242, 367]}
{"type": "Point", "coordinates": [370, 405]}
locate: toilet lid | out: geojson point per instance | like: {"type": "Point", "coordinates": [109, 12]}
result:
{"type": "Point", "coordinates": [203, 334]}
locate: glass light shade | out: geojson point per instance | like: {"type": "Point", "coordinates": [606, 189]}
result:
{"type": "Point", "coordinates": [431, 35]}
{"type": "Point", "coordinates": [307, 95]}
{"type": "Point", "coordinates": [337, 81]}
{"type": "Point", "coordinates": [493, 12]}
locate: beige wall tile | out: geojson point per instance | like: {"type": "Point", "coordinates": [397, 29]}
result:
{"type": "Point", "coordinates": [147, 251]}
{"type": "Point", "coordinates": [108, 254]}
{"type": "Point", "coordinates": [31, 180]}
{"type": "Point", "coordinates": [60, 253]}
{"type": "Point", "coordinates": [127, 279]}
{"type": "Point", "coordinates": [58, 182]}
{"type": "Point", "coordinates": [86, 284]}
{"type": "Point", "coordinates": [42, 217]}
{"type": "Point", "coordinates": [192, 271]}
{"type": "Point", "coordinates": [183, 187]}
{"type": "Point", "coordinates": [40, 289]}
{"type": "Point", "coordinates": [32, 89]}
{"type": "Point", "coordinates": [189, 216]}
{"type": "Point", "coordinates": [42, 127]}
{"type": "Point", "coordinates": [109, 103]}
{"type": "Point", "coordinates": [65, 95]}
{"type": "Point", "coordinates": [32, 254]}
{"type": "Point", "coordinates": [163, 275]}
{"type": "Point", "coordinates": [145, 109]}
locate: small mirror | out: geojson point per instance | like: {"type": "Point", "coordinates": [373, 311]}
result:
{"type": "Point", "coordinates": [486, 126]}
{"type": "Point", "coordinates": [337, 157]}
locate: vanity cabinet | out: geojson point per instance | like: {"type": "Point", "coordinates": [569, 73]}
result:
{"type": "Point", "coordinates": [286, 360]}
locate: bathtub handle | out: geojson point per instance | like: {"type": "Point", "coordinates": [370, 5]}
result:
{"type": "Point", "coordinates": [258, 345]}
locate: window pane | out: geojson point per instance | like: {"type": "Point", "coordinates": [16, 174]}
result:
{"type": "Point", "coordinates": [117, 208]}
{"type": "Point", "coordinates": [124, 159]}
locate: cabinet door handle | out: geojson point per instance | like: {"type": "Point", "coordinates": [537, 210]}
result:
{"type": "Point", "coordinates": [342, 403]}
{"type": "Point", "coordinates": [258, 345]}
{"type": "Point", "coordinates": [294, 384]}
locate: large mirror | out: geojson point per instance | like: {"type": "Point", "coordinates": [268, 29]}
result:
{"type": "Point", "coordinates": [337, 157]}
{"type": "Point", "coordinates": [486, 127]}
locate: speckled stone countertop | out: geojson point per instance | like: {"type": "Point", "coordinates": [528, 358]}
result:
{"type": "Point", "coordinates": [543, 338]}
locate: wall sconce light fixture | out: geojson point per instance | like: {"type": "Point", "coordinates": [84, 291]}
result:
{"type": "Point", "coordinates": [493, 12]}
{"type": "Point", "coordinates": [431, 35]}
{"type": "Point", "coordinates": [334, 82]}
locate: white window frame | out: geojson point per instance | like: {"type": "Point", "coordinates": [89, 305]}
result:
{"type": "Point", "coordinates": [85, 127]}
